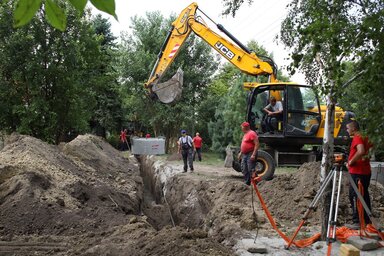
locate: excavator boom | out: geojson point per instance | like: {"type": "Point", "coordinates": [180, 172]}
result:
{"type": "Point", "coordinates": [235, 52]}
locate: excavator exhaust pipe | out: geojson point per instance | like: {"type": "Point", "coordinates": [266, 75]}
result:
{"type": "Point", "coordinates": [170, 90]}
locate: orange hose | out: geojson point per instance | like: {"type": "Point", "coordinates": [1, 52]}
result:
{"type": "Point", "coordinates": [300, 243]}
{"type": "Point", "coordinates": [360, 210]}
{"type": "Point", "coordinates": [329, 249]}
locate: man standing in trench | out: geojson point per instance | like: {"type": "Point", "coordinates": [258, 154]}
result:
{"type": "Point", "coordinates": [248, 152]}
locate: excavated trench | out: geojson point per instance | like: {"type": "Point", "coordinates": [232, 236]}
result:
{"type": "Point", "coordinates": [163, 202]}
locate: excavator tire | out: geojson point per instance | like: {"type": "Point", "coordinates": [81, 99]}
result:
{"type": "Point", "coordinates": [236, 165]}
{"type": "Point", "coordinates": [265, 165]}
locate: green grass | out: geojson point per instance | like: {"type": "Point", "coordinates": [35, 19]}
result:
{"type": "Point", "coordinates": [212, 158]}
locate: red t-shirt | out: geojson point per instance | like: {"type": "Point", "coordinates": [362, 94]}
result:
{"type": "Point", "coordinates": [247, 144]}
{"type": "Point", "coordinates": [123, 136]}
{"type": "Point", "coordinates": [197, 141]}
{"type": "Point", "coordinates": [362, 165]}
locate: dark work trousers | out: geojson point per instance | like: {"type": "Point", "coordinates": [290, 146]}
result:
{"type": "Point", "coordinates": [187, 158]}
{"type": "Point", "coordinates": [268, 122]}
{"type": "Point", "coordinates": [198, 151]}
{"type": "Point", "coordinates": [248, 166]}
{"type": "Point", "coordinates": [365, 180]}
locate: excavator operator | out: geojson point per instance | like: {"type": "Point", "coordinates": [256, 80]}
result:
{"type": "Point", "coordinates": [274, 111]}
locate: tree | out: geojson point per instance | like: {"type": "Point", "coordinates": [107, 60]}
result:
{"type": "Point", "coordinates": [364, 98]}
{"type": "Point", "coordinates": [107, 115]}
{"type": "Point", "coordinates": [53, 10]}
{"type": "Point", "coordinates": [46, 76]}
{"type": "Point", "coordinates": [323, 35]}
{"type": "Point", "coordinates": [138, 54]}
{"type": "Point", "coordinates": [232, 6]}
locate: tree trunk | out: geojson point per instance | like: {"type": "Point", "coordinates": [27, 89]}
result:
{"type": "Point", "coordinates": [326, 162]}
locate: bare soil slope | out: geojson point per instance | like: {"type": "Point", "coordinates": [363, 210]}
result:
{"type": "Point", "coordinates": [44, 190]}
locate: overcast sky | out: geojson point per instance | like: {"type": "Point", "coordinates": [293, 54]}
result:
{"type": "Point", "coordinates": [260, 21]}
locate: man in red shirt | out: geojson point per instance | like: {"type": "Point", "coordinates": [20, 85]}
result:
{"type": "Point", "coordinates": [123, 139]}
{"type": "Point", "coordinates": [197, 141]}
{"type": "Point", "coordinates": [359, 168]}
{"type": "Point", "coordinates": [248, 152]}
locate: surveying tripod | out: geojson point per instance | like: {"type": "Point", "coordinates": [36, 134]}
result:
{"type": "Point", "coordinates": [337, 170]}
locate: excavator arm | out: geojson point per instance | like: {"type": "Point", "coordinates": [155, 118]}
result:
{"type": "Point", "coordinates": [235, 52]}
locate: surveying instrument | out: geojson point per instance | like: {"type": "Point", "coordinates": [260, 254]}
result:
{"type": "Point", "coordinates": [335, 174]}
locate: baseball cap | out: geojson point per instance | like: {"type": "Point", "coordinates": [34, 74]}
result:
{"type": "Point", "coordinates": [183, 131]}
{"type": "Point", "coordinates": [245, 124]}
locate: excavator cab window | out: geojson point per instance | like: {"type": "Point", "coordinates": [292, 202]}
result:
{"type": "Point", "coordinates": [258, 117]}
{"type": "Point", "coordinates": [303, 112]}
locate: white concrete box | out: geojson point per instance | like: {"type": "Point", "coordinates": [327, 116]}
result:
{"type": "Point", "coordinates": [148, 146]}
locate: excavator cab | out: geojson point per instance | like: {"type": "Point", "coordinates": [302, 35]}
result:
{"type": "Point", "coordinates": [300, 119]}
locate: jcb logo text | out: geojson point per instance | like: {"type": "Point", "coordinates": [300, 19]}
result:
{"type": "Point", "coordinates": [222, 48]}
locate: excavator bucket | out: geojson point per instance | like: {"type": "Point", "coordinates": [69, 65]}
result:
{"type": "Point", "coordinates": [170, 90]}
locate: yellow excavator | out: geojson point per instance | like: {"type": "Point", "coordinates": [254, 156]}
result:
{"type": "Point", "coordinates": [292, 138]}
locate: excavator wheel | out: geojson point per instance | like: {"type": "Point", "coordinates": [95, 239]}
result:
{"type": "Point", "coordinates": [236, 165]}
{"type": "Point", "coordinates": [265, 165]}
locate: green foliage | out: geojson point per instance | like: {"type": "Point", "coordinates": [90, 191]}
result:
{"type": "Point", "coordinates": [55, 15]}
{"type": "Point", "coordinates": [107, 6]}
{"type": "Point", "coordinates": [51, 81]}
{"type": "Point", "coordinates": [232, 6]}
{"type": "Point", "coordinates": [114, 140]}
{"type": "Point", "coordinates": [225, 129]}
{"type": "Point", "coordinates": [79, 4]}
{"type": "Point", "coordinates": [25, 10]}
{"type": "Point", "coordinates": [107, 114]}
{"type": "Point", "coordinates": [364, 98]}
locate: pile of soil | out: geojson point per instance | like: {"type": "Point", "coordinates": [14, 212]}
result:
{"type": "Point", "coordinates": [84, 186]}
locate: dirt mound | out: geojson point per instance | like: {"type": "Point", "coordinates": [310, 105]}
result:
{"type": "Point", "coordinates": [43, 190]}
